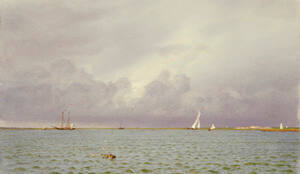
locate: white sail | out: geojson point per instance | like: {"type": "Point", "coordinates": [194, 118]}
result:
{"type": "Point", "coordinates": [280, 126]}
{"type": "Point", "coordinates": [212, 127]}
{"type": "Point", "coordinates": [197, 121]}
{"type": "Point", "coordinates": [198, 118]}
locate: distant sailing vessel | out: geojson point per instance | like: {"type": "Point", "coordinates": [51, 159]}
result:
{"type": "Point", "coordinates": [280, 126]}
{"type": "Point", "coordinates": [44, 127]}
{"type": "Point", "coordinates": [196, 124]}
{"type": "Point", "coordinates": [120, 128]}
{"type": "Point", "coordinates": [212, 127]}
{"type": "Point", "coordinates": [68, 125]}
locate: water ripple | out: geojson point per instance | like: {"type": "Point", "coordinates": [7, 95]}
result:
{"type": "Point", "coordinates": [148, 151]}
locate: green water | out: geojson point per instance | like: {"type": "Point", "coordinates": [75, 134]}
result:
{"type": "Point", "coordinates": [148, 151]}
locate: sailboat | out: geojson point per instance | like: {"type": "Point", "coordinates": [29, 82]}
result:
{"type": "Point", "coordinates": [196, 124]}
{"type": "Point", "coordinates": [120, 128]}
{"type": "Point", "coordinates": [212, 127]}
{"type": "Point", "coordinates": [44, 127]}
{"type": "Point", "coordinates": [68, 125]}
{"type": "Point", "coordinates": [280, 126]}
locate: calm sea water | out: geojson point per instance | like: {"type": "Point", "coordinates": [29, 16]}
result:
{"type": "Point", "coordinates": [148, 151]}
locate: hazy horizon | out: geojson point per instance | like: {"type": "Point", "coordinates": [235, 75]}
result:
{"type": "Point", "coordinates": [150, 63]}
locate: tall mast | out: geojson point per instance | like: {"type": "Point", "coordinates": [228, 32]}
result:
{"type": "Point", "coordinates": [62, 120]}
{"type": "Point", "coordinates": [68, 121]}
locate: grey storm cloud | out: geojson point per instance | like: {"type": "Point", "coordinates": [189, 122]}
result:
{"type": "Point", "coordinates": [150, 64]}
{"type": "Point", "coordinates": [46, 92]}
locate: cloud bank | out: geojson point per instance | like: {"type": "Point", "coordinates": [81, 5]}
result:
{"type": "Point", "coordinates": [150, 64]}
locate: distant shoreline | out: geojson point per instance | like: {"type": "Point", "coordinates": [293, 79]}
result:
{"type": "Point", "coordinates": [291, 129]}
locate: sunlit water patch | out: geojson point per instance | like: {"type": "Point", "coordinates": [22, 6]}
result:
{"type": "Point", "coordinates": [148, 151]}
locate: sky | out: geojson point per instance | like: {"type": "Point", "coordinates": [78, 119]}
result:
{"type": "Point", "coordinates": [150, 63]}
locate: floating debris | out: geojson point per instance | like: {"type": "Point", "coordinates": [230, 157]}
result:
{"type": "Point", "coordinates": [109, 156]}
